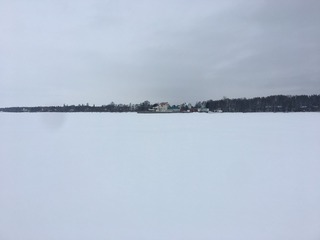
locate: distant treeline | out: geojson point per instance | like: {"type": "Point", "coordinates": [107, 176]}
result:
{"type": "Point", "coordinates": [277, 103]}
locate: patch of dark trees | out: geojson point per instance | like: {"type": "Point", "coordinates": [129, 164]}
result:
{"type": "Point", "coordinates": [276, 103]}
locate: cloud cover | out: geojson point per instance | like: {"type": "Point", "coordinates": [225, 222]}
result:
{"type": "Point", "coordinates": [56, 52]}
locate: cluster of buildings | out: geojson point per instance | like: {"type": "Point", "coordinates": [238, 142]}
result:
{"type": "Point", "coordinates": [164, 107]}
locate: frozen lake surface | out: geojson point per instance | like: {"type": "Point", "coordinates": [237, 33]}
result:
{"type": "Point", "coordinates": [165, 177]}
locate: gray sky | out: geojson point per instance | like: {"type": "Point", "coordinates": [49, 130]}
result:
{"type": "Point", "coordinates": [98, 51]}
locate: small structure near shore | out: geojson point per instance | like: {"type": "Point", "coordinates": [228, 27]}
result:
{"type": "Point", "coordinates": [162, 107]}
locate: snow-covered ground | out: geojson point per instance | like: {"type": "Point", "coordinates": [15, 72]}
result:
{"type": "Point", "coordinates": [132, 176]}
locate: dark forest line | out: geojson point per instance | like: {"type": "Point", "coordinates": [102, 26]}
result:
{"type": "Point", "coordinates": [275, 103]}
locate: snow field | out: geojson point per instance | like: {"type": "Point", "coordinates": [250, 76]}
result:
{"type": "Point", "coordinates": [159, 176]}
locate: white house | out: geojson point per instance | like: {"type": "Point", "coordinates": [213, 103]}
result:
{"type": "Point", "coordinates": [162, 107]}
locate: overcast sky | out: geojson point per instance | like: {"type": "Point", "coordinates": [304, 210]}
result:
{"type": "Point", "coordinates": [98, 51]}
